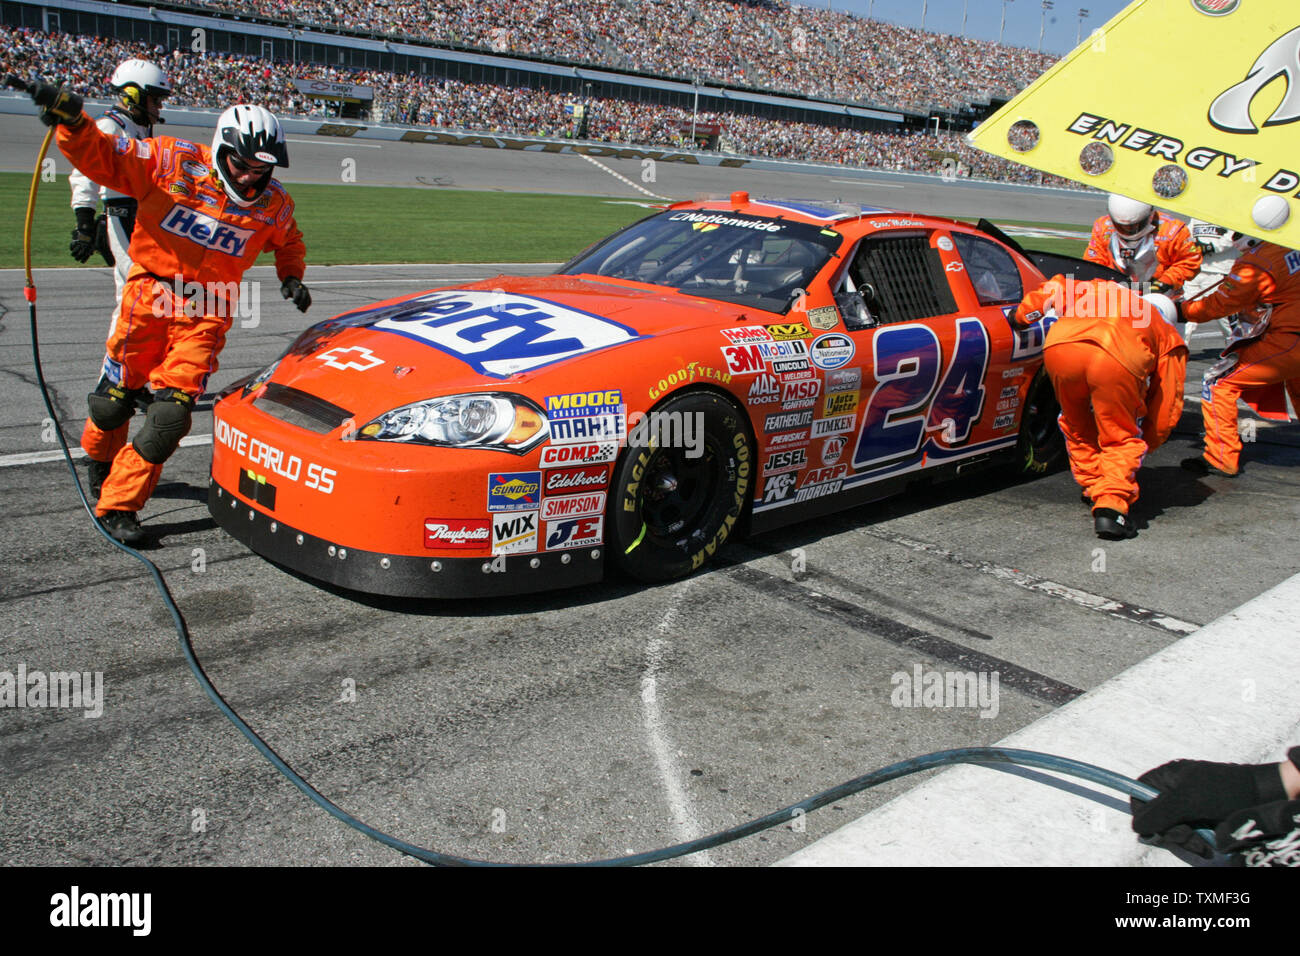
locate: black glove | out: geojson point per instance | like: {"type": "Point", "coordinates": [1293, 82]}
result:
{"type": "Point", "coordinates": [83, 237]}
{"type": "Point", "coordinates": [1180, 317]}
{"type": "Point", "coordinates": [292, 288]}
{"type": "Point", "coordinates": [1264, 836]}
{"type": "Point", "coordinates": [102, 245]}
{"type": "Point", "coordinates": [57, 105]}
{"type": "Point", "coordinates": [1206, 249]}
{"type": "Point", "coordinates": [1161, 287]}
{"type": "Point", "coordinates": [1200, 793]}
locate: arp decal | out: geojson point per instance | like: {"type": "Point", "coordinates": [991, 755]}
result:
{"type": "Point", "coordinates": [500, 334]}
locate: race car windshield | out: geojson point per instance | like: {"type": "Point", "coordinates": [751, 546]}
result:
{"type": "Point", "coordinates": [749, 260]}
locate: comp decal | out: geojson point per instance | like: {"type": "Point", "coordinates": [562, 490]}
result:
{"type": "Point", "coordinates": [501, 334]}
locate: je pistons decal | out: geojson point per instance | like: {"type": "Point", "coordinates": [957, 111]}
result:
{"type": "Point", "coordinates": [500, 334]}
{"type": "Point", "coordinates": [514, 491]}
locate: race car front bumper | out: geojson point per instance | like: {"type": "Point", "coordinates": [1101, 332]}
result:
{"type": "Point", "coordinates": [399, 575]}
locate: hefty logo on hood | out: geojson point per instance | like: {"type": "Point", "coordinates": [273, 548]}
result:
{"type": "Point", "coordinates": [501, 334]}
{"type": "Point", "coordinates": [206, 231]}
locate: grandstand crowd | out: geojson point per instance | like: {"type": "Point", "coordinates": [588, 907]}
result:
{"type": "Point", "coordinates": [215, 80]}
{"type": "Point", "coordinates": [759, 43]}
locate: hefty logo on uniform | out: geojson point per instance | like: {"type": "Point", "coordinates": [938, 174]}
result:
{"type": "Point", "coordinates": [206, 231]}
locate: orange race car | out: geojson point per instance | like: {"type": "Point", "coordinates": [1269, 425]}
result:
{"type": "Point", "coordinates": [716, 366]}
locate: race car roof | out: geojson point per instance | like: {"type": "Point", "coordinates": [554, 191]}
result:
{"type": "Point", "coordinates": [815, 211]}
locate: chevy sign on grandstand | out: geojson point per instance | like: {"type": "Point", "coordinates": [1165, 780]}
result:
{"type": "Point", "coordinates": [346, 91]}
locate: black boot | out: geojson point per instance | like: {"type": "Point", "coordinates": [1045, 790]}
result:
{"type": "Point", "coordinates": [96, 475]}
{"type": "Point", "coordinates": [1201, 468]}
{"type": "Point", "coordinates": [1109, 523]}
{"type": "Point", "coordinates": [124, 526]}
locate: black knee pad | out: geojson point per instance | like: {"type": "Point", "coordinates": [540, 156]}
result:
{"type": "Point", "coordinates": [165, 423]}
{"type": "Point", "coordinates": [111, 406]}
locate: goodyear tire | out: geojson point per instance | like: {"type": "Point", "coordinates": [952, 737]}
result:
{"type": "Point", "coordinates": [1041, 446]}
{"type": "Point", "coordinates": [672, 509]}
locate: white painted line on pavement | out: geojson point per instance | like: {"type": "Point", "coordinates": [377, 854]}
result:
{"type": "Point", "coordinates": [1227, 693]}
{"type": "Point", "coordinates": [40, 457]}
{"type": "Point", "coordinates": [665, 757]}
{"type": "Point", "coordinates": [865, 182]}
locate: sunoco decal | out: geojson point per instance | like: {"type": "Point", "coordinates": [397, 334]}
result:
{"type": "Point", "coordinates": [514, 491]}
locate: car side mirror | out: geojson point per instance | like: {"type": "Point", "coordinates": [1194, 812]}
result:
{"type": "Point", "coordinates": [853, 306]}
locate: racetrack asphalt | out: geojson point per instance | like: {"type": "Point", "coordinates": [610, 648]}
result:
{"type": "Point", "coordinates": [576, 724]}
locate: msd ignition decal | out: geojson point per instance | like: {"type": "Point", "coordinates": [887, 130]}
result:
{"type": "Point", "coordinates": [573, 506]}
{"type": "Point", "coordinates": [207, 232]}
{"type": "Point", "coordinates": [500, 334]}
{"type": "Point", "coordinates": [514, 533]}
{"type": "Point", "coordinates": [831, 351]}
{"type": "Point", "coordinates": [575, 533]}
{"type": "Point", "coordinates": [457, 533]}
{"type": "Point", "coordinates": [575, 479]}
{"type": "Point", "coordinates": [587, 454]}
{"type": "Point", "coordinates": [514, 491]}
{"type": "Point", "coordinates": [801, 394]}
{"type": "Point", "coordinates": [586, 417]}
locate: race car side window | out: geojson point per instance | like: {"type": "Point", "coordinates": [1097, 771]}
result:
{"type": "Point", "coordinates": [901, 278]}
{"type": "Point", "coordinates": [991, 270]}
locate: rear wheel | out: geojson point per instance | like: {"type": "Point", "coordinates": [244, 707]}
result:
{"type": "Point", "coordinates": [680, 487]}
{"type": "Point", "coordinates": [1041, 446]}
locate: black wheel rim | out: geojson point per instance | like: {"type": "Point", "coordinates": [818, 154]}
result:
{"type": "Point", "coordinates": [679, 491]}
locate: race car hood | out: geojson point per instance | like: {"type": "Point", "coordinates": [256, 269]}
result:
{"type": "Point", "coordinates": [493, 335]}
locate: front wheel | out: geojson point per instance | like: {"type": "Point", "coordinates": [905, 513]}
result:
{"type": "Point", "coordinates": [680, 487]}
{"type": "Point", "coordinates": [1041, 446]}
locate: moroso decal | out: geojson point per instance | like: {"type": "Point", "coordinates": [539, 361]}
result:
{"type": "Point", "coordinates": [500, 334]}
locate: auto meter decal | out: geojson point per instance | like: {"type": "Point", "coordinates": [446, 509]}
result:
{"type": "Point", "coordinates": [831, 351]}
{"type": "Point", "coordinates": [501, 334]}
{"type": "Point", "coordinates": [514, 491]}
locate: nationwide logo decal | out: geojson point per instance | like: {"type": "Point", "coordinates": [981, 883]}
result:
{"type": "Point", "coordinates": [575, 533]}
{"type": "Point", "coordinates": [501, 334]}
{"type": "Point", "coordinates": [514, 491]}
{"type": "Point", "coordinates": [357, 357]}
{"type": "Point", "coordinates": [1230, 110]}
{"type": "Point", "coordinates": [202, 229]}
{"type": "Point", "coordinates": [457, 533]}
{"type": "Point", "coordinates": [832, 350]}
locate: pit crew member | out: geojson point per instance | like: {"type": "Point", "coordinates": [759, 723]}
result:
{"type": "Point", "coordinates": [204, 216]}
{"type": "Point", "coordinates": [1144, 244]}
{"type": "Point", "coordinates": [1264, 286]}
{"type": "Point", "coordinates": [1218, 245]}
{"type": "Point", "coordinates": [1117, 365]}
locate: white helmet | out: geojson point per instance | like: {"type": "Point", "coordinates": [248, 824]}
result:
{"type": "Point", "coordinates": [136, 79]}
{"type": "Point", "coordinates": [250, 134]}
{"type": "Point", "coordinates": [1132, 219]}
{"type": "Point", "coordinates": [1164, 305]}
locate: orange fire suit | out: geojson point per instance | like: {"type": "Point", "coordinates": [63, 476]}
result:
{"type": "Point", "coordinates": [1264, 283]}
{"type": "Point", "coordinates": [1117, 367]}
{"type": "Point", "coordinates": [188, 236]}
{"type": "Point", "coordinates": [1170, 255]}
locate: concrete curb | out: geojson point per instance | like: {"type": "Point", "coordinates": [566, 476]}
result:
{"type": "Point", "coordinates": [1226, 692]}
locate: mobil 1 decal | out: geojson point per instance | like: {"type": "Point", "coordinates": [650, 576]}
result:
{"type": "Point", "coordinates": [917, 400]}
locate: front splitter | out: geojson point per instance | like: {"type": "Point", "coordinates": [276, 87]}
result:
{"type": "Point", "coordinates": [400, 575]}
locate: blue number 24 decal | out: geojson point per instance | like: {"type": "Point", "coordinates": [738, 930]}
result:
{"type": "Point", "coordinates": [905, 406]}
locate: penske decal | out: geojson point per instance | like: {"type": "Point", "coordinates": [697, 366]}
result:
{"type": "Point", "coordinates": [501, 334]}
